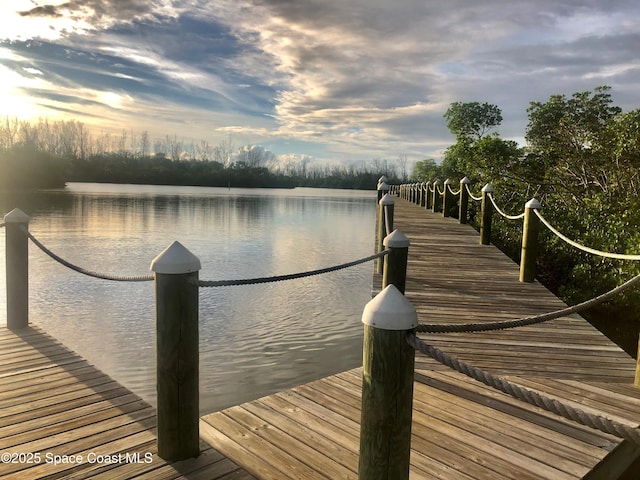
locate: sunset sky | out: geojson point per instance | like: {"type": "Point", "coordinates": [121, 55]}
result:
{"type": "Point", "coordinates": [343, 81]}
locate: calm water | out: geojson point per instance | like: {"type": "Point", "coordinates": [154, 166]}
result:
{"type": "Point", "coordinates": [254, 340]}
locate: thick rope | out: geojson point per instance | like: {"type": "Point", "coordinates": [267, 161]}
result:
{"type": "Point", "coordinates": [387, 221]}
{"type": "Point", "coordinates": [508, 217]}
{"type": "Point", "coordinates": [103, 276]}
{"type": "Point", "coordinates": [431, 187]}
{"type": "Point", "coordinates": [291, 276]}
{"type": "Point", "coordinates": [521, 322]}
{"type": "Point", "coordinates": [618, 256]}
{"type": "Point", "coordinates": [597, 422]}
{"type": "Point", "coordinates": [477, 199]}
{"type": "Point", "coordinates": [440, 192]}
{"type": "Point", "coordinates": [457, 192]}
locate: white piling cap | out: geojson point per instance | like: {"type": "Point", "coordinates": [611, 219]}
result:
{"type": "Point", "coordinates": [533, 203]}
{"type": "Point", "coordinates": [16, 216]}
{"type": "Point", "coordinates": [448, 181]}
{"type": "Point", "coordinates": [465, 180]}
{"type": "Point", "coordinates": [387, 200]}
{"type": "Point", "coordinates": [383, 186]}
{"type": "Point", "coordinates": [396, 239]}
{"type": "Point", "coordinates": [383, 179]}
{"type": "Point", "coordinates": [175, 259]}
{"type": "Point", "coordinates": [487, 188]}
{"type": "Point", "coordinates": [390, 310]}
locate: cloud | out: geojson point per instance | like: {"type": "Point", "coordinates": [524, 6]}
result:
{"type": "Point", "coordinates": [339, 80]}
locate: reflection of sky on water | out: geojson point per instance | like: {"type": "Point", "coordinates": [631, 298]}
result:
{"type": "Point", "coordinates": [254, 339]}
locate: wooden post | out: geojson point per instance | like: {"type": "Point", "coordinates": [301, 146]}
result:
{"type": "Point", "coordinates": [177, 351]}
{"type": "Point", "coordinates": [427, 204]}
{"type": "Point", "coordinates": [434, 204]}
{"type": "Point", "coordinates": [464, 200]}
{"type": "Point", "coordinates": [17, 268]}
{"type": "Point", "coordinates": [395, 262]}
{"type": "Point", "coordinates": [385, 220]}
{"type": "Point", "coordinates": [446, 198]}
{"type": "Point", "coordinates": [383, 188]}
{"type": "Point", "coordinates": [487, 211]}
{"type": "Point", "coordinates": [530, 229]}
{"type": "Point", "coordinates": [388, 364]}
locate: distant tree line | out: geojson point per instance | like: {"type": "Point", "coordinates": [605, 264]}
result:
{"type": "Point", "coordinates": [46, 154]}
{"type": "Point", "coordinates": [582, 162]}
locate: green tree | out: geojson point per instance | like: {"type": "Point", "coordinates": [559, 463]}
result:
{"type": "Point", "coordinates": [425, 170]}
{"type": "Point", "coordinates": [472, 120]}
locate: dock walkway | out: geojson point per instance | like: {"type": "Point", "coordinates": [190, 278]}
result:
{"type": "Point", "coordinates": [461, 429]}
{"type": "Point", "coordinates": [61, 417]}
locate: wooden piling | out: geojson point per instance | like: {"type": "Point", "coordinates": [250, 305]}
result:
{"type": "Point", "coordinates": [176, 281]}
{"type": "Point", "coordinates": [395, 262]}
{"type": "Point", "coordinates": [385, 221]}
{"type": "Point", "coordinates": [387, 387]}
{"type": "Point", "coordinates": [530, 229]}
{"type": "Point", "coordinates": [446, 198]}
{"type": "Point", "coordinates": [464, 200]}
{"type": "Point", "coordinates": [435, 207]}
{"type": "Point", "coordinates": [17, 268]}
{"type": "Point", "coordinates": [487, 211]}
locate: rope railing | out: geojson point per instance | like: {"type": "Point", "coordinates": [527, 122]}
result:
{"type": "Point", "coordinates": [291, 276]}
{"type": "Point", "coordinates": [597, 422]}
{"type": "Point", "coordinates": [508, 217]}
{"type": "Point", "coordinates": [593, 251]}
{"type": "Point", "coordinates": [521, 322]}
{"type": "Point", "coordinates": [90, 273]}
{"type": "Point", "coordinates": [457, 192]}
{"type": "Point", "coordinates": [477, 199]}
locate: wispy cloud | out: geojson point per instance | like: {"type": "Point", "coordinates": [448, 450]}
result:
{"type": "Point", "coordinates": [341, 80]}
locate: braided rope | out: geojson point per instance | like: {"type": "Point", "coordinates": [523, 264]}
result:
{"type": "Point", "coordinates": [440, 192]}
{"type": "Point", "coordinates": [103, 276]}
{"type": "Point", "coordinates": [597, 422]}
{"type": "Point", "coordinates": [477, 199]}
{"type": "Point", "coordinates": [290, 276]}
{"type": "Point", "coordinates": [618, 256]}
{"type": "Point", "coordinates": [521, 322]}
{"type": "Point", "coordinates": [508, 217]}
{"type": "Point", "coordinates": [457, 192]}
{"type": "Point", "coordinates": [431, 187]}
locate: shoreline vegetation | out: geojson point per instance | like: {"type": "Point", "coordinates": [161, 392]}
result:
{"type": "Point", "coordinates": [48, 154]}
{"type": "Point", "coordinates": [582, 162]}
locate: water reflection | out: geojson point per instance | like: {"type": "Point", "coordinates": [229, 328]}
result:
{"type": "Point", "coordinates": [254, 339]}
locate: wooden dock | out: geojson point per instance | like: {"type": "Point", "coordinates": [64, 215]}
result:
{"type": "Point", "coordinates": [60, 417]}
{"type": "Point", "coordinates": [461, 430]}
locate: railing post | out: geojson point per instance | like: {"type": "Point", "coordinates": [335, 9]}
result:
{"type": "Point", "coordinates": [387, 387]}
{"type": "Point", "coordinates": [395, 262]}
{"type": "Point", "coordinates": [17, 268]}
{"type": "Point", "coordinates": [464, 200]}
{"type": "Point", "coordinates": [383, 188]}
{"type": "Point", "coordinates": [177, 352]}
{"type": "Point", "coordinates": [487, 211]}
{"type": "Point", "coordinates": [446, 198]}
{"type": "Point", "coordinates": [427, 205]}
{"type": "Point", "coordinates": [436, 196]}
{"type": "Point", "coordinates": [385, 224]}
{"type": "Point", "coordinates": [530, 229]}
{"type": "Point", "coordinates": [423, 194]}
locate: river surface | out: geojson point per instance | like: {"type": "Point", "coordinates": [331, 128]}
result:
{"type": "Point", "coordinates": [254, 340]}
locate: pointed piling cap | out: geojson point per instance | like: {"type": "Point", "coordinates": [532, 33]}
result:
{"type": "Point", "coordinates": [396, 239]}
{"type": "Point", "coordinates": [533, 203]}
{"type": "Point", "coordinates": [447, 181]}
{"type": "Point", "coordinates": [390, 310]}
{"type": "Point", "coordinates": [487, 188]}
{"type": "Point", "coordinates": [16, 216]}
{"type": "Point", "coordinates": [383, 179]}
{"type": "Point", "coordinates": [387, 200]}
{"type": "Point", "coordinates": [175, 259]}
{"type": "Point", "coordinates": [383, 186]}
{"type": "Point", "coordinates": [466, 180]}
